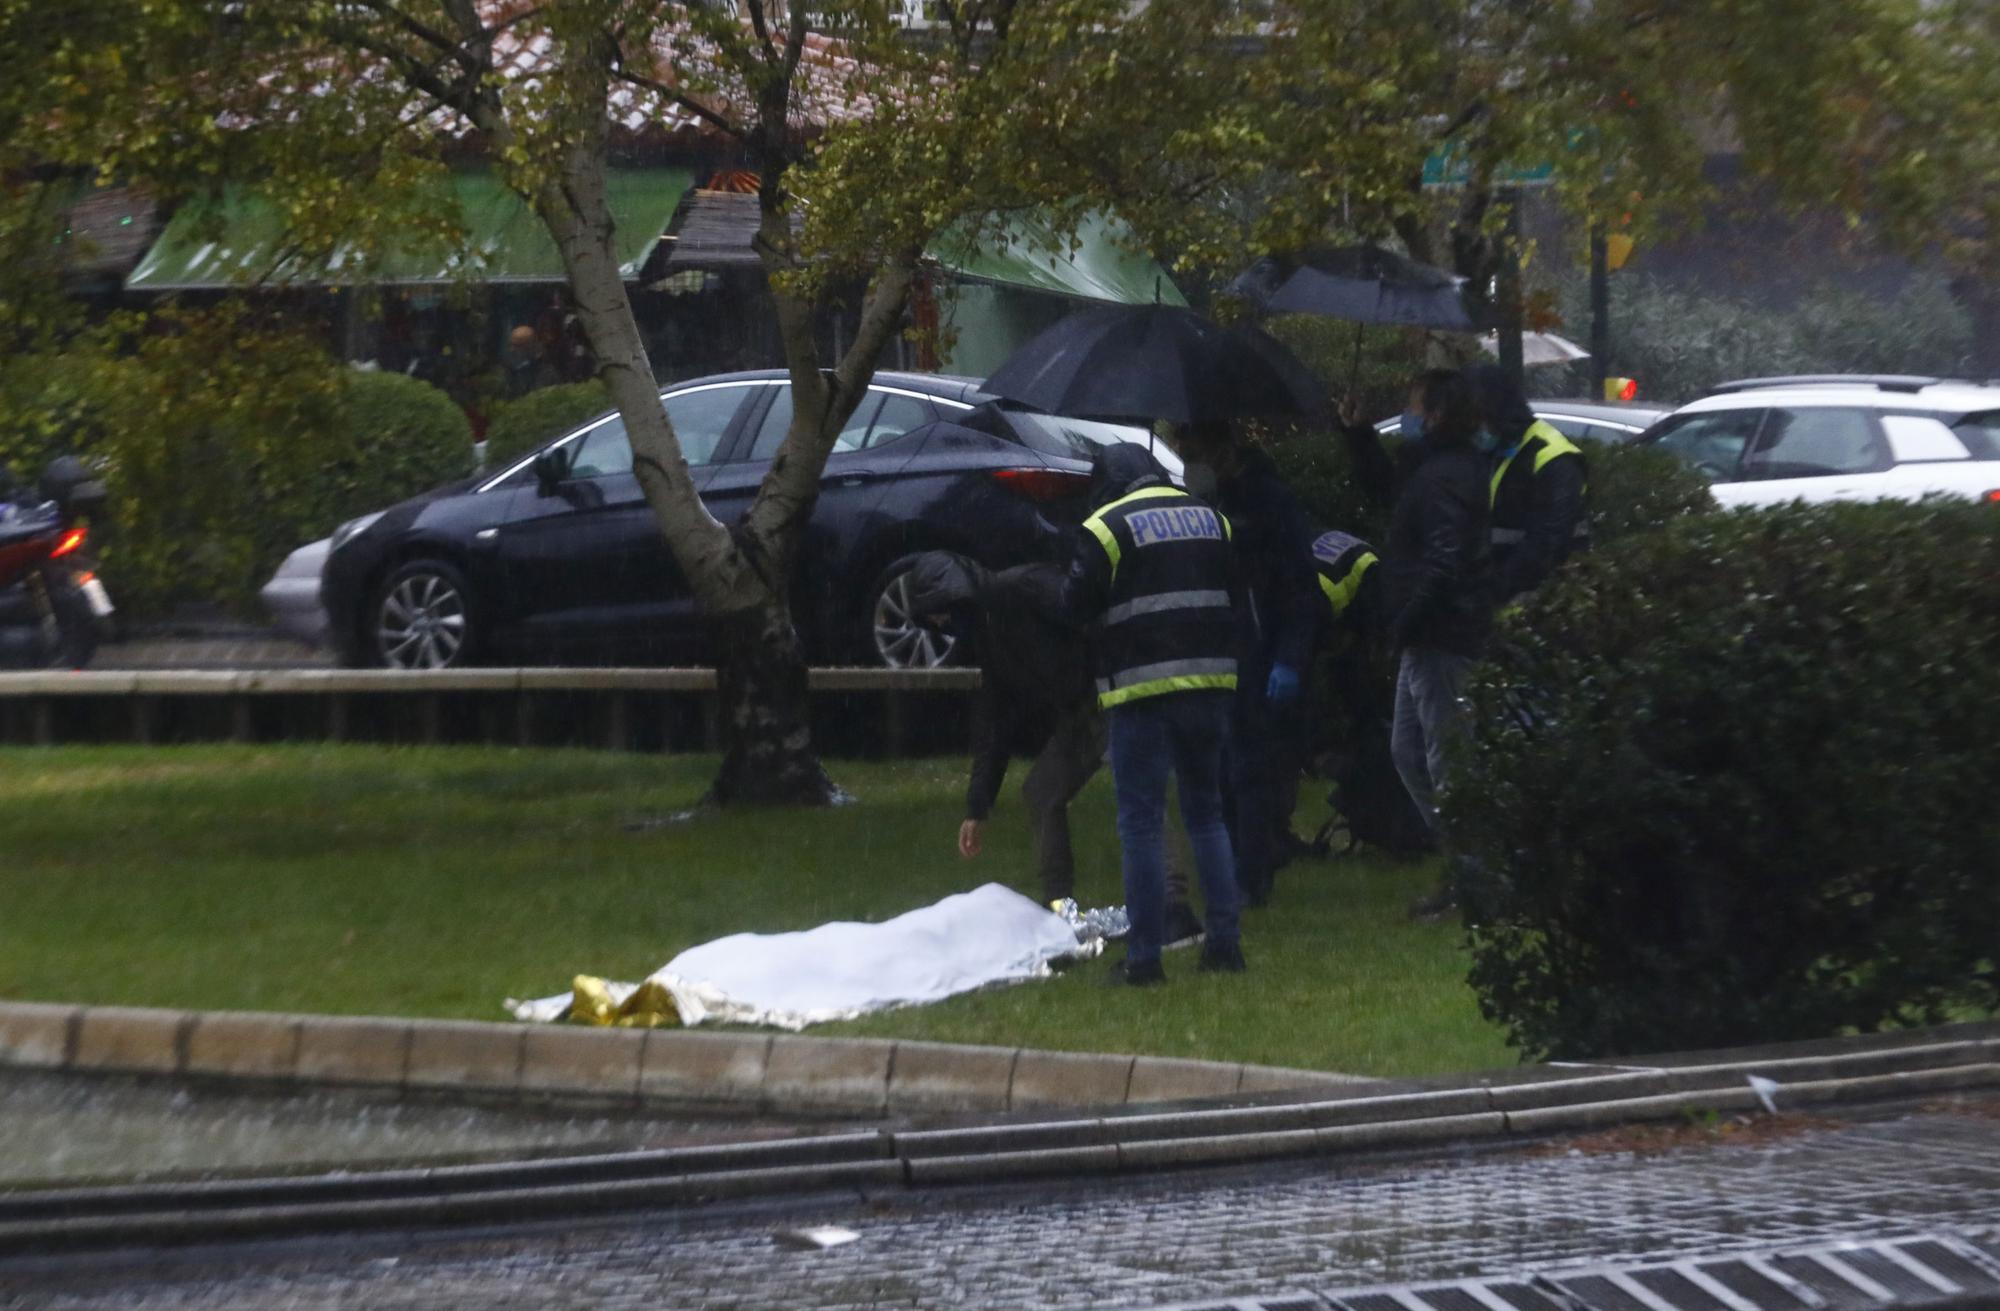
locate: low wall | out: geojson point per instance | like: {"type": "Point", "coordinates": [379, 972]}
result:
{"type": "Point", "coordinates": [856, 712]}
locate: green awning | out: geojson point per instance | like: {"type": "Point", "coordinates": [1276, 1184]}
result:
{"type": "Point", "coordinates": [1029, 254]}
{"type": "Point", "coordinates": [238, 238]}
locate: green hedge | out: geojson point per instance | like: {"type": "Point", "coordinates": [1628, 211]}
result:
{"type": "Point", "coordinates": [1733, 781]}
{"type": "Point", "coordinates": [521, 425]}
{"type": "Point", "coordinates": [226, 443]}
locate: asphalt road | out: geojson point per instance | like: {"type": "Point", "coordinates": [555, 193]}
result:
{"type": "Point", "coordinates": [1316, 1224]}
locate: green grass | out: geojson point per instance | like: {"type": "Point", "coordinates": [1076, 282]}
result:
{"type": "Point", "coordinates": [436, 882]}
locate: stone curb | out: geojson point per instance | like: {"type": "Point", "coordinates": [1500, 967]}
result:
{"type": "Point", "coordinates": [657, 1068]}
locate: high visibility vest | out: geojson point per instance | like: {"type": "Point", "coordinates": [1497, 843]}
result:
{"type": "Point", "coordinates": [1512, 490]}
{"type": "Point", "coordinates": [1169, 626]}
{"type": "Point", "coordinates": [1343, 561]}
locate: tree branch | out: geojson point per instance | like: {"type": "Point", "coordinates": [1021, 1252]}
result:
{"type": "Point", "coordinates": [695, 107]}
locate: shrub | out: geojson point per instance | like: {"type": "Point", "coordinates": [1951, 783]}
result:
{"type": "Point", "coordinates": [521, 425]}
{"type": "Point", "coordinates": [1733, 781]}
{"type": "Point", "coordinates": [1635, 488]}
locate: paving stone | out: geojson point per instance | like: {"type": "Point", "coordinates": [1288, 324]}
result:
{"type": "Point", "coordinates": [849, 1076]}
{"type": "Point", "coordinates": [571, 1059]}
{"type": "Point", "coordinates": [362, 1050]}
{"type": "Point", "coordinates": [1069, 1079]}
{"type": "Point", "coordinates": [244, 1043]}
{"type": "Point", "coordinates": [129, 1039]}
{"type": "Point", "coordinates": [690, 1068]}
{"type": "Point", "coordinates": [35, 1034]}
{"type": "Point", "coordinates": [465, 1055]}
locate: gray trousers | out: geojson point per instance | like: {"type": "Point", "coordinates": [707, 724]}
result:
{"type": "Point", "coordinates": [1068, 760]}
{"type": "Point", "coordinates": [1430, 716]}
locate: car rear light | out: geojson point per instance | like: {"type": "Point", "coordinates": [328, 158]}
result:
{"type": "Point", "coordinates": [1043, 485]}
{"type": "Point", "coordinates": [1993, 497]}
{"type": "Point", "coordinates": [70, 541]}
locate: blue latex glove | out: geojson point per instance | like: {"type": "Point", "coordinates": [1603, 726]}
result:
{"type": "Point", "coordinates": [1283, 687]}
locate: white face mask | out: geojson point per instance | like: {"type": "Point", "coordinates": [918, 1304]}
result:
{"type": "Point", "coordinates": [1200, 478]}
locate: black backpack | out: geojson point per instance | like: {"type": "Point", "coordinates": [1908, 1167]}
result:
{"type": "Point", "coordinates": [1370, 803]}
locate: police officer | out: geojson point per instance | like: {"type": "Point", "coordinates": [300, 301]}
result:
{"type": "Point", "coordinates": [1538, 486]}
{"type": "Point", "coordinates": [1273, 537]}
{"type": "Point", "coordinates": [1154, 571]}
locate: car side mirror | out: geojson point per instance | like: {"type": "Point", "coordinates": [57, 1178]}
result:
{"type": "Point", "coordinates": [551, 469]}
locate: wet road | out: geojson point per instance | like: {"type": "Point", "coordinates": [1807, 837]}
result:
{"type": "Point", "coordinates": [1163, 1238]}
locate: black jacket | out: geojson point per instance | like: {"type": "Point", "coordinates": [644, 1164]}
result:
{"type": "Point", "coordinates": [1274, 543]}
{"type": "Point", "coordinates": [1035, 670]}
{"type": "Point", "coordinates": [1539, 518]}
{"type": "Point", "coordinates": [1437, 557]}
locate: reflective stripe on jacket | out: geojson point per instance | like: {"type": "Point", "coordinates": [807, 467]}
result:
{"type": "Point", "coordinates": [1168, 625]}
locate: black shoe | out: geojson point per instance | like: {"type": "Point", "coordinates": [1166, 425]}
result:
{"type": "Point", "coordinates": [1137, 974]}
{"type": "Point", "coordinates": [1183, 925]}
{"type": "Point", "coordinates": [1222, 960]}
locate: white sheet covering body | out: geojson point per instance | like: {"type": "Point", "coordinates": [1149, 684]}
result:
{"type": "Point", "coordinates": [841, 970]}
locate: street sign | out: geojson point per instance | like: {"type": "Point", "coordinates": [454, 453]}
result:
{"type": "Point", "coordinates": [1451, 168]}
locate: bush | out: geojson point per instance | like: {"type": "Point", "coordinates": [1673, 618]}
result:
{"type": "Point", "coordinates": [520, 426]}
{"type": "Point", "coordinates": [227, 442]}
{"type": "Point", "coordinates": [1733, 781]}
{"type": "Point", "coordinates": [1636, 488]}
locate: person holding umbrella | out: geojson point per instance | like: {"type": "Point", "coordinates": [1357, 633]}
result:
{"type": "Point", "coordinates": [1274, 547]}
{"type": "Point", "coordinates": [1438, 570]}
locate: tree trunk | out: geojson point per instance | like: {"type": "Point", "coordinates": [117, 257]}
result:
{"type": "Point", "coordinates": [761, 687]}
{"type": "Point", "coordinates": [761, 679]}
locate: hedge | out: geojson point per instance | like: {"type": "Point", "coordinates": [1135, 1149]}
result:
{"type": "Point", "coordinates": [1733, 781]}
{"type": "Point", "coordinates": [521, 425]}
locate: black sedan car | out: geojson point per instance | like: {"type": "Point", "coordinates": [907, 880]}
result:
{"type": "Point", "coordinates": [563, 563]}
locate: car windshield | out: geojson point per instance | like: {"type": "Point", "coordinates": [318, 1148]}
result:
{"type": "Point", "coordinates": [1079, 439]}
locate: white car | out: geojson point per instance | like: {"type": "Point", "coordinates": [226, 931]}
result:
{"type": "Point", "coordinates": [1765, 441]}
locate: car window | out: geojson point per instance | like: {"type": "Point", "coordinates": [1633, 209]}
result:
{"type": "Point", "coordinates": [1981, 435]}
{"type": "Point", "coordinates": [1816, 443]}
{"type": "Point", "coordinates": [699, 417]}
{"type": "Point", "coordinates": [778, 421]}
{"type": "Point", "coordinates": [1079, 439]}
{"type": "Point", "coordinates": [898, 415]}
{"type": "Point", "coordinates": [1712, 442]}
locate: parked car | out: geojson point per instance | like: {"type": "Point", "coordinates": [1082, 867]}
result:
{"type": "Point", "coordinates": [1840, 437]}
{"type": "Point", "coordinates": [1613, 423]}
{"type": "Point", "coordinates": [557, 558]}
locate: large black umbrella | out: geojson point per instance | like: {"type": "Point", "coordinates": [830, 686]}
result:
{"type": "Point", "coordinates": [1362, 284]}
{"type": "Point", "coordinates": [1156, 362]}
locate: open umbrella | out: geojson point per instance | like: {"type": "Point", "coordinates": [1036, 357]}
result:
{"type": "Point", "coordinates": [1539, 348]}
{"type": "Point", "coordinates": [1156, 362]}
{"type": "Point", "coordinates": [1362, 284]}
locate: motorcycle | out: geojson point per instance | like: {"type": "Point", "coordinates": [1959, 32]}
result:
{"type": "Point", "coordinates": [53, 608]}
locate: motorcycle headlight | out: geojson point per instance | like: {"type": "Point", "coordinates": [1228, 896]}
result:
{"type": "Point", "coordinates": [352, 527]}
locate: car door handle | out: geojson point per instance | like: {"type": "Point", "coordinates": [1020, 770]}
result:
{"type": "Point", "coordinates": [852, 479]}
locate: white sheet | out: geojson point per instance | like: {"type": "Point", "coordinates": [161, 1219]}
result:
{"type": "Point", "coordinates": [841, 970]}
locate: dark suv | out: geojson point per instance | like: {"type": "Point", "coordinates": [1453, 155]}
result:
{"type": "Point", "coordinates": [519, 567]}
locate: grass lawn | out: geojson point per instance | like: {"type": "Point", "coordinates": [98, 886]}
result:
{"type": "Point", "coordinates": [436, 882]}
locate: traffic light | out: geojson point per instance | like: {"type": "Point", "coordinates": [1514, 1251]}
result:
{"type": "Point", "coordinates": [1621, 389]}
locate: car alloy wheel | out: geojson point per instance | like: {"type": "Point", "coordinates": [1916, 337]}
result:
{"type": "Point", "coordinates": [902, 640]}
{"type": "Point", "coordinates": [422, 621]}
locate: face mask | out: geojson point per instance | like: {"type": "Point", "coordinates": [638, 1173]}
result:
{"type": "Point", "coordinates": [1485, 441]}
{"type": "Point", "coordinates": [1411, 426]}
{"type": "Point", "coordinates": [1200, 479]}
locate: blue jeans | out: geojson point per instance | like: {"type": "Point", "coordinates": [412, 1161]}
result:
{"type": "Point", "coordinates": [1181, 733]}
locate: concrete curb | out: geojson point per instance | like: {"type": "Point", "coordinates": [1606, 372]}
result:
{"type": "Point", "coordinates": [742, 1071]}
{"type": "Point", "coordinates": [39, 1223]}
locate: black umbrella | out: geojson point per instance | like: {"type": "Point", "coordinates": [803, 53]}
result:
{"type": "Point", "coordinates": [1156, 362]}
{"type": "Point", "coordinates": [1363, 284]}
